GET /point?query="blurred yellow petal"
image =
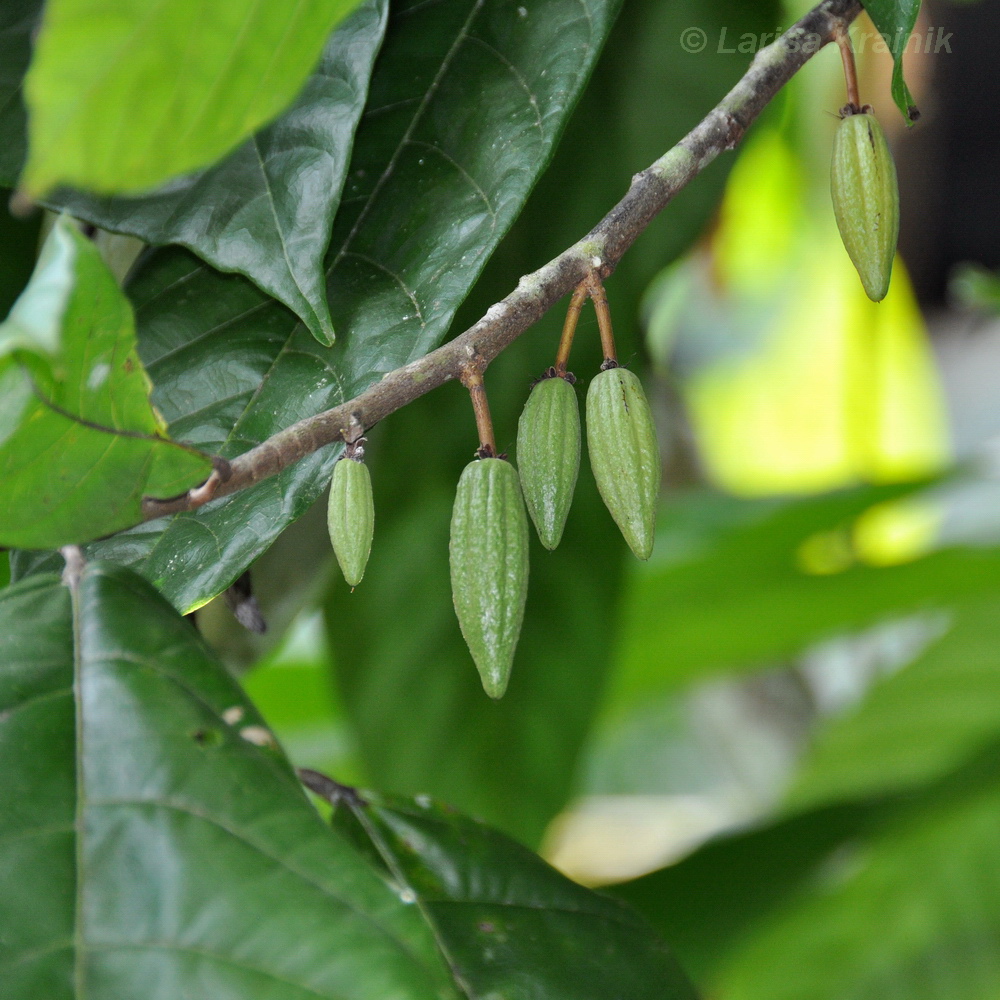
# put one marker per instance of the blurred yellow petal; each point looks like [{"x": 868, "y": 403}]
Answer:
[
  {"x": 896, "y": 532},
  {"x": 834, "y": 388},
  {"x": 760, "y": 216}
]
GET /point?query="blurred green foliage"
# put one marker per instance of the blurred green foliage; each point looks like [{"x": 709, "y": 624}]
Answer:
[{"x": 867, "y": 865}]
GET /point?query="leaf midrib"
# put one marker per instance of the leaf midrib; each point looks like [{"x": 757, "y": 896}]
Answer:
[
  {"x": 281, "y": 232},
  {"x": 79, "y": 813}
]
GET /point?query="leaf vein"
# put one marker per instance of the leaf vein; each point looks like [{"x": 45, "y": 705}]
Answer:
[
  {"x": 399, "y": 281},
  {"x": 236, "y": 834},
  {"x": 223, "y": 959},
  {"x": 477, "y": 187}
]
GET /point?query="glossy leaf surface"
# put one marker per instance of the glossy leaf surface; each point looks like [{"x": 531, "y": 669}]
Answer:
[
  {"x": 154, "y": 849},
  {"x": 511, "y": 926},
  {"x": 160, "y": 845}
]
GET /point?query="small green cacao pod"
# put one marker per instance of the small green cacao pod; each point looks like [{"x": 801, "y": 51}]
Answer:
[
  {"x": 866, "y": 200},
  {"x": 489, "y": 566},
  {"x": 351, "y": 517},
  {"x": 624, "y": 455},
  {"x": 548, "y": 455}
]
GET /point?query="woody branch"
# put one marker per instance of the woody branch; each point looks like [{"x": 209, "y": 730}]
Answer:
[{"x": 595, "y": 256}]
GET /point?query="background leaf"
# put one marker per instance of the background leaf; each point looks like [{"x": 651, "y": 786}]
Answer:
[
  {"x": 730, "y": 586},
  {"x": 232, "y": 367},
  {"x": 887, "y": 897},
  {"x": 707, "y": 903},
  {"x": 915, "y": 726},
  {"x": 510, "y": 925},
  {"x": 123, "y": 740},
  {"x": 80, "y": 444},
  {"x": 895, "y": 20},
  {"x": 19, "y": 239},
  {"x": 912, "y": 910},
  {"x": 124, "y": 99},
  {"x": 18, "y": 19},
  {"x": 266, "y": 210}
]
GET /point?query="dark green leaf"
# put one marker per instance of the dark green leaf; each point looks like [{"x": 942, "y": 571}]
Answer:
[
  {"x": 726, "y": 586},
  {"x": 125, "y": 98},
  {"x": 18, "y": 19},
  {"x": 885, "y": 898},
  {"x": 152, "y": 849},
  {"x": 80, "y": 444},
  {"x": 911, "y": 911},
  {"x": 918, "y": 724},
  {"x": 704, "y": 905},
  {"x": 435, "y": 182},
  {"x": 267, "y": 208},
  {"x": 159, "y": 846},
  {"x": 19, "y": 239},
  {"x": 895, "y": 20},
  {"x": 510, "y": 925}
]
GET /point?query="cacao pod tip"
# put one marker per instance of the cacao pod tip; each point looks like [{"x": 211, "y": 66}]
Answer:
[{"x": 495, "y": 681}]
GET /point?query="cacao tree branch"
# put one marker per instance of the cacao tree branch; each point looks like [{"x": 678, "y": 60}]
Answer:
[{"x": 597, "y": 254}]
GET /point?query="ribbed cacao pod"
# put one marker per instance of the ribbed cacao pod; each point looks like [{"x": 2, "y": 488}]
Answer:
[
  {"x": 866, "y": 200},
  {"x": 489, "y": 566},
  {"x": 548, "y": 455},
  {"x": 351, "y": 517},
  {"x": 624, "y": 455}
]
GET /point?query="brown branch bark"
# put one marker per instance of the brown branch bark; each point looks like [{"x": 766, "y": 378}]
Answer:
[{"x": 598, "y": 253}]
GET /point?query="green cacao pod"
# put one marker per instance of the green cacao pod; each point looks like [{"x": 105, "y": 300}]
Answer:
[
  {"x": 624, "y": 455},
  {"x": 489, "y": 566},
  {"x": 351, "y": 517},
  {"x": 548, "y": 455},
  {"x": 866, "y": 200}
]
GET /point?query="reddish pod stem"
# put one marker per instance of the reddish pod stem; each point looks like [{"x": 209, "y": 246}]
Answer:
[
  {"x": 600, "y": 298},
  {"x": 850, "y": 71},
  {"x": 569, "y": 327},
  {"x": 473, "y": 381}
]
